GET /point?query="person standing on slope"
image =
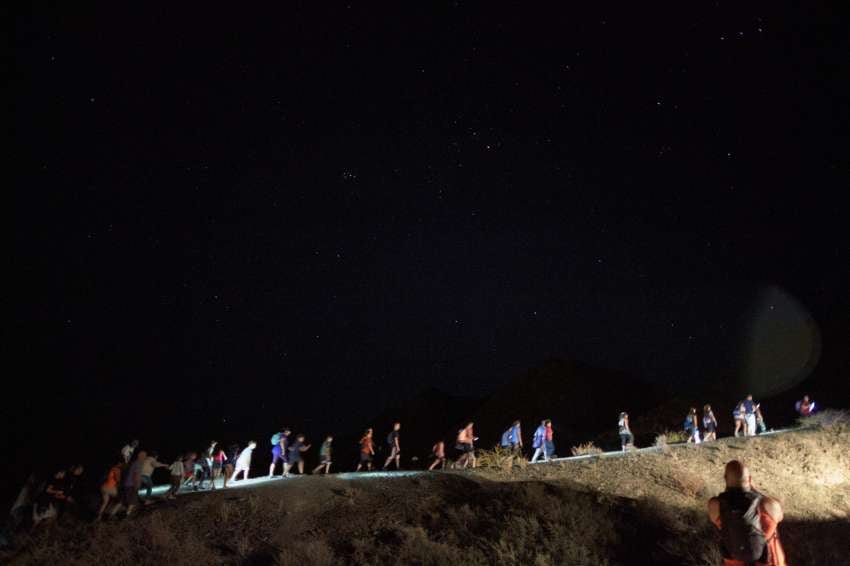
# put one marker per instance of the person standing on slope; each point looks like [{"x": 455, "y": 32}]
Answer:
[
  {"x": 325, "y": 456},
  {"x": 367, "y": 451},
  {"x": 294, "y": 457},
  {"x": 692, "y": 426},
  {"x": 738, "y": 416},
  {"x": 512, "y": 438},
  {"x": 627, "y": 439},
  {"x": 538, "y": 442},
  {"x": 243, "y": 462},
  {"x": 439, "y": 452},
  {"x": 466, "y": 444},
  {"x": 750, "y": 408},
  {"x": 748, "y": 521},
  {"x": 280, "y": 450},
  {"x": 805, "y": 406},
  {"x": 395, "y": 448},
  {"x": 709, "y": 424}
]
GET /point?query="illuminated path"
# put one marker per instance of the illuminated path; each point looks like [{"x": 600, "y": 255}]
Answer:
[{"x": 161, "y": 490}]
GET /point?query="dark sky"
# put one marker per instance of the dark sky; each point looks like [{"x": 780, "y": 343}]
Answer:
[{"x": 308, "y": 214}]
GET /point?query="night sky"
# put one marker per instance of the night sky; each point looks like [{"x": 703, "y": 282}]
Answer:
[{"x": 304, "y": 216}]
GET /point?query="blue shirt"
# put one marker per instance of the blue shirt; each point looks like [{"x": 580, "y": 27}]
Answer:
[{"x": 749, "y": 407}]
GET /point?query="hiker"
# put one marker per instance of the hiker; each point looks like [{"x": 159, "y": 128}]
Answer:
[
  {"x": 208, "y": 462},
  {"x": 189, "y": 470},
  {"x": 367, "y": 451},
  {"x": 201, "y": 469},
  {"x": 148, "y": 466},
  {"x": 243, "y": 462},
  {"x": 218, "y": 460},
  {"x": 709, "y": 424},
  {"x": 325, "y": 456},
  {"x": 627, "y": 439},
  {"x": 439, "y": 452},
  {"x": 50, "y": 501},
  {"x": 109, "y": 487},
  {"x": 74, "y": 487},
  {"x": 549, "y": 440},
  {"x": 512, "y": 438},
  {"x": 738, "y": 416},
  {"x": 395, "y": 449},
  {"x": 230, "y": 463},
  {"x": 805, "y": 406},
  {"x": 294, "y": 457},
  {"x": 128, "y": 450},
  {"x": 176, "y": 471},
  {"x": 760, "y": 424},
  {"x": 692, "y": 426},
  {"x": 22, "y": 508},
  {"x": 130, "y": 485},
  {"x": 538, "y": 442},
  {"x": 748, "y": 521},
  {"x": 466, "y": 445},
  {"x": 280, "y": 450},
  {"x": 749, "y": 415}
]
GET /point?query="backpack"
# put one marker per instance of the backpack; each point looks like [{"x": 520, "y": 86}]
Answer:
[
  {"x": 506, "y": 438},
  {"x": 276, "y": 438},
  {"x": 741, "y": 532}
]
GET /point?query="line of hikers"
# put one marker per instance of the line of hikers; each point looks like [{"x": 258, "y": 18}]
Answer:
[{"x": 132, "y": 472}]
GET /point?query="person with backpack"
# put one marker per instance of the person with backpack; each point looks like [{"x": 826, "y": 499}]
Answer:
[
  {"x": 538, "y": 442},
  {"x": 325, "y": 456},
  {"x": 395, "y": 449},
  {"x": 627, "y": 439},
  {"x": 709, "y": 424},
  {"x": 748, "y": 521},
  {"x": 243, "y": 462},
  {"x": 367, "y": 451},
  {"x": 512, "y": 438},
  {"x": 280, "y": 450},
  {"x": 692, "y": 426}
]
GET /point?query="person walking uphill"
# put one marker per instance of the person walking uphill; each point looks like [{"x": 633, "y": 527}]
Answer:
[
  {"x": 395, "y": 448},
  {"x": 748, "y": 521},
  {"x": 542, "y": 442},
  {"x": 627, "y": 440},
  {"x": 750, "y": 408},
  {"x": 367, "y": 451}
]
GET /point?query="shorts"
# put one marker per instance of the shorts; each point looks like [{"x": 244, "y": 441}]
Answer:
[
  {"x": 216, "y": 465},
  {"x": 626, "y": 438},
  {"x": 278, "y": 455},
  {"x": 465, "y": 447},
  {"x": 394, "y": 452},
  {"x": 325, "y": 459},
  {"x": 293, "y": 458},
  {"x": 365, "y": 457},
  {"x": 110, "y": 491},
  {"x": 709, "y": 427}
]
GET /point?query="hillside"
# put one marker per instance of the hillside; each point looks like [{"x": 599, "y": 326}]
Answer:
[{"x": 638, "y": 509}]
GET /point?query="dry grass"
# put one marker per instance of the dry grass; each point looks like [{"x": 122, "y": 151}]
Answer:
[
  {"x": 669, "y": 437},
  {"x": 635, "y": 509},
  {"x": 586, "y": 449},
  {"x": 500, "y": 458}
]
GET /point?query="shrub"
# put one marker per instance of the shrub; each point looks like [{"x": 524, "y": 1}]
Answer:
[
  {"x": 586, "y": 449},
  {"x": 499, "y": 458},
  {"x": 828, "y": 420},
  {"x": 670, "y": 437}
]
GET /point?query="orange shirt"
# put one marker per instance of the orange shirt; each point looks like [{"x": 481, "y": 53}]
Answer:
[
  {"x": 113, "y": 478},
  {"x": 366, "y": 445}
]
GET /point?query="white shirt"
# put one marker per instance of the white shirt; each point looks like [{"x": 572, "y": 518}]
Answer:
[
  {"x": 127, "y": 453},
  {"x": 244, "y": 460}
]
